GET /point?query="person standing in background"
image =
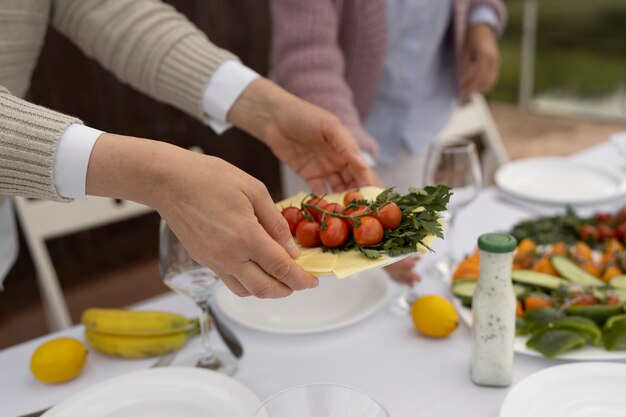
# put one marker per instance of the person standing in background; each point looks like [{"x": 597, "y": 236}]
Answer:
[
  {"x": 206, "y": 201},
  {"x": 393, "y": 71}
]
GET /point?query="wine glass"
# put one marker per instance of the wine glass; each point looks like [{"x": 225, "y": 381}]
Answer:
[
  {"x": 185, "y": 276},
  {"x": 321, "y": 400},
  {"x": 453, "y": 163}
]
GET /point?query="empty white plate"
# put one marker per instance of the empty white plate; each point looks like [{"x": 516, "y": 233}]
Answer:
[
  {"x": 333, "y": 304},
  {"x": 590, "y": 389},
  {"x": 559, "y": 181},
  {"x": 162, "y": 392}
]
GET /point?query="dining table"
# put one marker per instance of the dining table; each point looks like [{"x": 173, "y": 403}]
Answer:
[{"x": 382, "y": 354}]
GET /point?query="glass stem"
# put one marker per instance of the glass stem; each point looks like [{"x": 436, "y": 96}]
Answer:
[
  {"x": 450, "y": 237},
  {"x": 206, "y": 350}
]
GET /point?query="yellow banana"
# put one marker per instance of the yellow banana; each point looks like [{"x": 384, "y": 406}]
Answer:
[
  {"x": 136, "y": 346},
  {"x": 134, "y": 323}
]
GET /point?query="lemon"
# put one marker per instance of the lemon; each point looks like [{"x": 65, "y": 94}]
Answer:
[
  {"x": 434, "y": 316},
  {"x": 58, "y": 360}
]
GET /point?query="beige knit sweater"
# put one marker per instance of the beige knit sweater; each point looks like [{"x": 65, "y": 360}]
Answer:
[{"x": 146, "y": 43}]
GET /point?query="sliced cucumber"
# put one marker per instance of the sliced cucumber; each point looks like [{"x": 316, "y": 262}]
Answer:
[
  {"x": 536, "y": 279},
  {"x": 619, "y": 282},
  {"x": 569, "y": 270},
  {"x": 464, "y": 288}
]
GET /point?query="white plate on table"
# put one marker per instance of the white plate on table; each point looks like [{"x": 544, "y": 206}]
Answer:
[
  {"x": 573, "y": 390},
  {"x": 162, "y": 392},
  {"x": 335, "y": 303},
  {"x": 559, "y": 181},
  {"x": 586, "y": 353}
]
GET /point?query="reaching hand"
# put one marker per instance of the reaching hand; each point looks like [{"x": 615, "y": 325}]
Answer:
[
  {"x": 310, "y": 140},
  {"x": 481, "y": 60},
  {"x": 403, "y": 272},
  {"x": 224, "y": 218}
]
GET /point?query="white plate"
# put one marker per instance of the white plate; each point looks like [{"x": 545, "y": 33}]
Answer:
[
  {"x": 333, "y": 304},
  {"x": 559, "y": 181},
  {"x": 586, "y": 353},
  {"x": 162, "y": 392},
  {"x": 573, "y": 390}
]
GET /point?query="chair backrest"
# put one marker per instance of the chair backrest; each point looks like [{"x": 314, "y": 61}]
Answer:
[
  {"x": 43, "y": 220},
  {"x": 472, "y": 119}
]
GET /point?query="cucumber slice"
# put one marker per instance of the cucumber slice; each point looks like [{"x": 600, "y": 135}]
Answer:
[
  {"x": 614, "y": 320},
  {"x": 536, "y": 279},
  {"x": 581, "y": 325},
  {"x": 539, "y": 319},
  {"x": 569, "y": 270},
  {"x": 464, "y": 288},
  {"x": 619, "y": 282},
  {"x": 519, "y": 290},
  {"x": 615, "y": 338},
  {"x": 552, "y": 343},
  {"x": 598, "y": 313}
]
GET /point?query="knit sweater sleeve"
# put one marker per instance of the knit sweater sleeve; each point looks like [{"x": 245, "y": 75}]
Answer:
[
  {"x": 146, "y": 44},
  {"x": 306, "y": 59},
  {"x": 29, "y": 135},
  {"x": 500, "y": 9}
]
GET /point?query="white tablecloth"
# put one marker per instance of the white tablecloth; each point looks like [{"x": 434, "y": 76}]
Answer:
[{"x": 381, "y": 355}]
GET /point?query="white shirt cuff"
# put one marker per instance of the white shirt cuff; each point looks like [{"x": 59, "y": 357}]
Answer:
[
  {"x": 223, "y": 89},
  {"x": 72, "y": 159},
  {"x": 483, "y": 13}
]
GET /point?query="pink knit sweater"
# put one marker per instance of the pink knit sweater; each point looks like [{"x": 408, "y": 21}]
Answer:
[{"x": 331, "y": 52}]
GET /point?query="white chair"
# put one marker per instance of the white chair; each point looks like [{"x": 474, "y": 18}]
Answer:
[
  {"x": 43, "y": 220},
  {"x": 472, "y": 119}
]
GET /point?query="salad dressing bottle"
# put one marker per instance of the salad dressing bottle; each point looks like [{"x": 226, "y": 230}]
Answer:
[{"x": 493, "y": 312}]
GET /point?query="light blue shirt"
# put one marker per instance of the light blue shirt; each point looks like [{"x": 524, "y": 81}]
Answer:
[{"x": 418, "y": 90}]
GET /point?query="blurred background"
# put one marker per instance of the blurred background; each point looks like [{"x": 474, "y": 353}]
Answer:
[{"x": 562, "y": 88}]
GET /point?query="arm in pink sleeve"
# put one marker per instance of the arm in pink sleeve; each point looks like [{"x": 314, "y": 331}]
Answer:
[{"x": 306, "y": 60}]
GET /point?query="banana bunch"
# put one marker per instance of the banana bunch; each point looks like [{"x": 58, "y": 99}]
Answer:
[{"x": 136, "y": 334}]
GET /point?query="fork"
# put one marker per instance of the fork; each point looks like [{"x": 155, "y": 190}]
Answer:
[{"x": 164, "y": 360}]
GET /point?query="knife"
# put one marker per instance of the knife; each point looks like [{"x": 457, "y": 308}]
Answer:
[{"x": 227, "y": 335}]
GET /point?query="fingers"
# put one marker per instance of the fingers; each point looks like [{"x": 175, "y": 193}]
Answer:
[
  {"x": 257, "y": 283},
  {"x": 271, "y": 220},
  {"x": 348, "y": 150},
  {"x": 235, "y": 286},
  {"x": 275, "y": 263}
]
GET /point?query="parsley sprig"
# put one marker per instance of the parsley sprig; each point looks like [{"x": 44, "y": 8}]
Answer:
[{"x": 420, "y": 217}]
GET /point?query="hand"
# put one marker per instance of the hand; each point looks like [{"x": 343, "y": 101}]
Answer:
[
  {"x": 225, "y": 218},
  {"x": 403, "y": 272},
  {"x": 481, "y": 60},
  {"x": 310, "y": 140}
]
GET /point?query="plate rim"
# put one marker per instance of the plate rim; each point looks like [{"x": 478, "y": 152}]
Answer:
[
  {"x": 181, "y": 371},
  {"x": 556, "y": 369},
  {"x": 520, "y": 344},
  {"x": 380, "y": 279},
  {"x": 558, "y": 160}
]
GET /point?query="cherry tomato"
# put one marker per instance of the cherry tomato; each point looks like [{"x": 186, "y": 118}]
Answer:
[
  {"x": 605, "y": 232},
  {"x": 319, "y": 202},
  {"x": 369, "y": 232},
  {"x": 620, "y": 232},
  {"x": 336, "y": 232},
  {"x": 293, "y": 215},
  {"x": 351, "y": 196},
  {"x": 390, "y": 216},
  {"x": 355, "y": 212},
  {"x": 334, "y": 207},
  {"x": 603, "y": 217},
  {"x": 308, "y": 234},
  {"x": 584, "y": 300},
  {"x": 588, "y": 233},
  {"x": 613, "y": 300}
]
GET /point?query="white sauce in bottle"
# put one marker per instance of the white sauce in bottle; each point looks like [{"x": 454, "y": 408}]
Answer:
[{"x": 493, "y": 313}]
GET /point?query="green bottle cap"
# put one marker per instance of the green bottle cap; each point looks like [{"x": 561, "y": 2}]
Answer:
[{"x": 497, "y": 242}]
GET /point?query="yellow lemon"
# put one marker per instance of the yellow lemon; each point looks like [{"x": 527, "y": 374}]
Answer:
[
  {"x": 434, "y": 316},
  {"x": 58, "y": 360}
]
